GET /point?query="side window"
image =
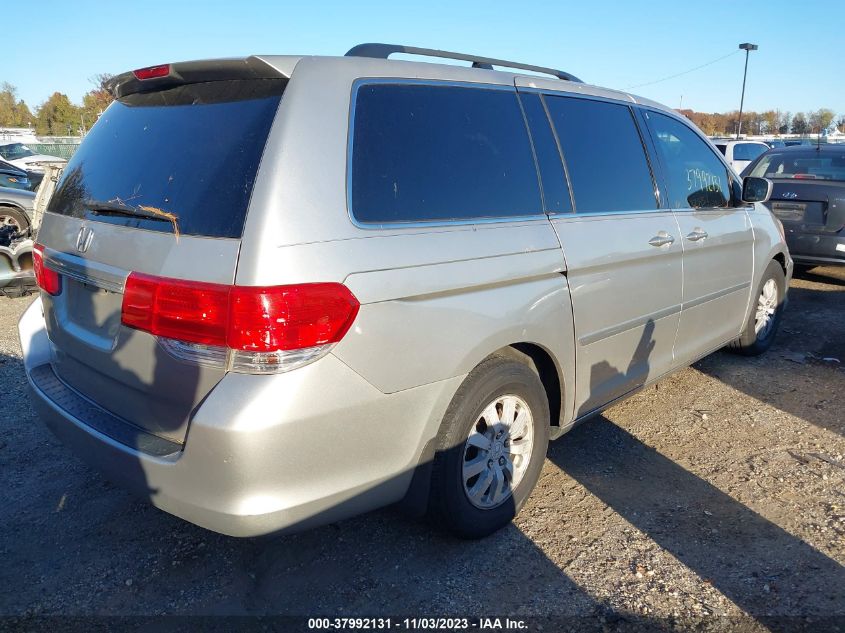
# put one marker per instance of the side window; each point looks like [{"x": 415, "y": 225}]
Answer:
[
  {"x": 748, "y": 151},
  {"x": 604, "y": 154},
  {"x": 555, "y": 190},
  {"x": 432, "y": 152},
  {"x": 696, "y": 178}
]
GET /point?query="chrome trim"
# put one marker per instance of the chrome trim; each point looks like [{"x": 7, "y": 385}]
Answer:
[
  {"x": 86, "y": 271},
  {"x": 716, "y": 295},
  {"x": 613, "y": 330},
  {"x": 591, "y": 214},
  {"x": 364, "y": 81}
]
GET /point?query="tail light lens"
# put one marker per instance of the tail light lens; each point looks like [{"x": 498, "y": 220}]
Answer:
[
  {"x": 48, "y": 280},
  {"x": 265, "y": 328}
]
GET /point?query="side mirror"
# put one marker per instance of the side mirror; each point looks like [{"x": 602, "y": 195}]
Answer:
[{"x": 756, "y": 189}]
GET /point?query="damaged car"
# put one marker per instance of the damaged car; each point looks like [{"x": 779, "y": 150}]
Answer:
[{"x": 16, "y": 211}]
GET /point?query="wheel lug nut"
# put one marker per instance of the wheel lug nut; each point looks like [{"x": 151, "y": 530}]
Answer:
[
  {"x": 490, "y": 463},
  {"x": 501, "y": 461}
]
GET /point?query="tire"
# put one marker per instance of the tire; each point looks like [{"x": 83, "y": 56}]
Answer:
[
  {"x": 753, "y": 342},
  {"x": 13, "y": 216},
  {"x": 497, "y": 382}
]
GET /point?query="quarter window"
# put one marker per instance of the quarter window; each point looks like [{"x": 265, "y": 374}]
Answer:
[
  {"x": 428, "y": 153},
  {"x": 696, "y": 177},
  {"x": 604, "y": 154}
]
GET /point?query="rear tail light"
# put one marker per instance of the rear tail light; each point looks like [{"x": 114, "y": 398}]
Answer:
[
  {"x": 152, "y": 72},
  {"x": 258, "y": 329},
  {"x": 48, "y": 280}
]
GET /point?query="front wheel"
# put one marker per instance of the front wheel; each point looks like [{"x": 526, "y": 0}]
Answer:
[
  {"x": 491, "y": 448},
  {"x": 764, "y": 320}
]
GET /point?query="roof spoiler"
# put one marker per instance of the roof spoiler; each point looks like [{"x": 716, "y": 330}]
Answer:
[{"x": 170, "y": 75}]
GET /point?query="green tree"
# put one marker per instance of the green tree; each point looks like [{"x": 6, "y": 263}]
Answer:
[
  {"x": 13, "y": 111},
  {"x": 820, "y": 120},
  {"x": 96, "y": 100},
  {"x": 799, "y": 124},
  {"x": 771, "y": 120},
  {"x": 57, "y": 116}
]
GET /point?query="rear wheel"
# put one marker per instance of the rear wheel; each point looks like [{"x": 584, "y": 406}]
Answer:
[
  {"x": 491, "y": 448},
  {"x": 10, "y": 216},
  {"x": 764, "y": 320}
]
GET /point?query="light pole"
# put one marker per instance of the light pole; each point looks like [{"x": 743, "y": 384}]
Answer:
[{"x": 747, "y": 48}]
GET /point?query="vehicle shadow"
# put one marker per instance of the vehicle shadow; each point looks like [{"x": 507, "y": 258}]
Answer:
[
  {"x": 753, "y": 562},
  {"x": 808, "y": 349}
]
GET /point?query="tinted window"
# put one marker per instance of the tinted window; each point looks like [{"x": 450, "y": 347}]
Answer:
[
  {"x": 722, "y": 148},
  {"x": 808, "y": 164},
  {"x": 423, "y": 152},
  {"x": 188, "y": 154},
  {"x": 555, "y": 189},
  {"x": 748, "y": 151},
  {"x": 695, "y": 176},
  {"x": 604, "y": 155}
]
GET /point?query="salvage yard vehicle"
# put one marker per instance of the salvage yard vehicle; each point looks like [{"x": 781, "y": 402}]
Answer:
[
  {"x": 12, "y": 177},
  {"x": 24, "y": 157},
  {"x": 378, "y": 281},
  {"x": 809, "y": 199},
  {"x": 740, "y": 153},
  {"x": 16, "y": 266}
]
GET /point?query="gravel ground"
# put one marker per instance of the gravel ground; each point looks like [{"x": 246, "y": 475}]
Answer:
[{"x": 717, "y": 492}]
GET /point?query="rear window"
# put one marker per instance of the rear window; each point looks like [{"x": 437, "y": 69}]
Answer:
[
  {"x": 749, "y": 151},
  {"x": 811, "y": 164},
  {"x": 188, "y": 154},
  {"x": 434, "y": 153}
]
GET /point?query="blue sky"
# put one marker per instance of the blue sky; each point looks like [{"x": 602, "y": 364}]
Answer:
[{"x": 614, "y": 44}]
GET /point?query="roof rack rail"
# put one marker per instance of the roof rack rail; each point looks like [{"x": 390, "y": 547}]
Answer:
[{"x": 383, "y": 51}]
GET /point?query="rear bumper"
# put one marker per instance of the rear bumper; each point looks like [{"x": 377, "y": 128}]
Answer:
[
  {"x": 264, "y": 454},
  {"x": 814, "y": 248}
]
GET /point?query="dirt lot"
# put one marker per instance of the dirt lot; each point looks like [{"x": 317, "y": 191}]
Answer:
[{"x": 717, "y": 492}]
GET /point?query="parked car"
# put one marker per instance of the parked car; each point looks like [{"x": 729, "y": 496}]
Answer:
[
  {"x": 17, "y": 276},
  {"x": 809, "y": 199},
  {"x": 13, "y": 177},
  {"x": 23, "y": 157},
  {"x": 16, "y": 208},
  {"x": 399, "y": 292},
  {"x": 740, "y": 153}
]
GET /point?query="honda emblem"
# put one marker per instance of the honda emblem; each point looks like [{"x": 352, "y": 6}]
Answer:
[{"x": 83, "y": 239}]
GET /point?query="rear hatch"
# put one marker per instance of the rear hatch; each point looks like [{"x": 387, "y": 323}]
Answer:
[
  {"x": 809, "y": 206},
  {"x": 160, "y": 186}
]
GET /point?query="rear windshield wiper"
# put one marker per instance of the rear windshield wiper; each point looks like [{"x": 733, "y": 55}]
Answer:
[{"x": 116, "y": 208}]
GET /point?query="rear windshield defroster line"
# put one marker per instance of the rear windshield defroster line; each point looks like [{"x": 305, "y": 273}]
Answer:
[{"x": 189, "y": 153}]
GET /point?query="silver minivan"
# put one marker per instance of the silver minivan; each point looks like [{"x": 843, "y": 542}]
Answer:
[{"x": 279, "y": 291}]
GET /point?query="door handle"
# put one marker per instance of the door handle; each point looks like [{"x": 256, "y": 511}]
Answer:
[
  {"x": 697, "y": 235},
  {"x": 662, "y": 239}
]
